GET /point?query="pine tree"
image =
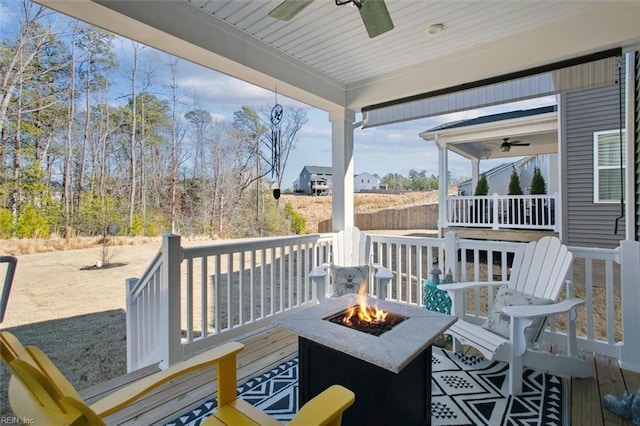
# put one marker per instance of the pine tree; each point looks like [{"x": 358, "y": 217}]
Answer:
[
  {"x": 514, "y": 184},
  {"x": 538, "y": 185},
  {"x": 482, "y": 188}
]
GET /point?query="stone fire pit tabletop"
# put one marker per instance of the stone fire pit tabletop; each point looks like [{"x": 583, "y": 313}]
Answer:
[{"x": 392, "y": 350}]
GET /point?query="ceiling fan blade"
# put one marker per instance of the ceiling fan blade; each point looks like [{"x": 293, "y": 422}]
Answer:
[
  {"x": 288, "y": 9},
  {"x": 375, "y": 17},
  {"x": 518, "y": 143}
]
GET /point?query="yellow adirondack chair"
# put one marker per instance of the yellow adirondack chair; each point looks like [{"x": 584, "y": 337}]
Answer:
[{"x": 39, "y": 391}]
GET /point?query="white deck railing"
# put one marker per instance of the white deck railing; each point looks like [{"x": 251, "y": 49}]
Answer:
[
  {"x": 504, "y": 211},
  {"x": 222, "y": 290},
  {"x": 191, "y": 298}
]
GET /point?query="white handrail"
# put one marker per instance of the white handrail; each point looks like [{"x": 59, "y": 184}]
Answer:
[
  {"x": 198, "y": 296},
  {"x": 229, "y": 288},
  {"x": 504, "y": 211}
]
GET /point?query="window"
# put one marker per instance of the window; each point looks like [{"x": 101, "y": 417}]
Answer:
[{"x": 607, "y": 183}]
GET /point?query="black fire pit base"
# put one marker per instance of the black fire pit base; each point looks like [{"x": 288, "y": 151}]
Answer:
[{"x": 382, "y": 397}]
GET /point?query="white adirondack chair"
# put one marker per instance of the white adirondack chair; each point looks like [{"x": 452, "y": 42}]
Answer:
[
  {"x": 538, "y": 270},
  {"x": 351, "y": 247}
]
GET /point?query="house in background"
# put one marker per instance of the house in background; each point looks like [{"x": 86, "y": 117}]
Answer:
[
  {"x": 365, "y": 182},
  {"x": 315, "y": 180},
  {"x": 500, "y": 176}
]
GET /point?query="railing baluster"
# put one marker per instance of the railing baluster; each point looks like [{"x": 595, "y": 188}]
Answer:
[
  {"x": 218, "y": 294},
  {"x": 263, "y": 265},
  {"x": 273, "y": 279},
  {"x": 588, "y": 267},
  {"x": 189, "y": 301},
  {"x": 611, "y": 319},
  {"x": 204, "y": 295},
  {"x": 252, "y": 270},
  {"x": 241, "y": 287}
]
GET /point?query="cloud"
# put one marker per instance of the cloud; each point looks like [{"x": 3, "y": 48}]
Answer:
[{"x": 217, "y": 117}]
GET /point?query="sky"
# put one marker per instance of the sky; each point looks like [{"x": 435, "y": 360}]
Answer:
[{"x": 394, "y": 148}]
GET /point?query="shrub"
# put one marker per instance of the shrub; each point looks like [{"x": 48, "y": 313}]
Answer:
[
  {"x": 482, "y": 188},
  {"x": 6, "y": 224},
  {"x": 538, "y": 185},
  {"x": 514, "y": 184},
  {"x": 32, "y": 224},
  {"x": 137, "y": 226},
  {"x": 298, "y": 222}
]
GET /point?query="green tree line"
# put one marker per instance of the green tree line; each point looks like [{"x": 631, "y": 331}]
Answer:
[
  {"x": 416, "y": 180},
  {"x": 82, "y": 153}
]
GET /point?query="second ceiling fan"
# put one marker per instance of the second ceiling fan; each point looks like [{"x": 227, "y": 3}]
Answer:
[
  {"x": 374, "y": 13},
  {"x": 506, "y": 145}
]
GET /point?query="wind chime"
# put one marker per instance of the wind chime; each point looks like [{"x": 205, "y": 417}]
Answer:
[{"x": 276, "y": 146}]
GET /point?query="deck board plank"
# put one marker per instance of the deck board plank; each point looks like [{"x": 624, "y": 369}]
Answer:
[
  {"x": 609, "y": 382},
  {"x": 586, "y": 408}
]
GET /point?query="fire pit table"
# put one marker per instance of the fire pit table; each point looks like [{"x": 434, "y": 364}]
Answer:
[{"x": 389, "y": 373}]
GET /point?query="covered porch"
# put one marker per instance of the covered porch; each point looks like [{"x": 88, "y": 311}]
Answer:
[
  {"x": 522, "y": 140},
  {"x": 191, "y": 299}
]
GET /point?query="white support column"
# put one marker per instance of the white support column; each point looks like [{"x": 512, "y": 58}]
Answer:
[
  {"x": 443, "y": 184},
  {"x": 630, "y": 169},
  {"x": 342, "y": 163},
  {"x": 630, "y": 294},
  {"x": 475, "y": 174}
]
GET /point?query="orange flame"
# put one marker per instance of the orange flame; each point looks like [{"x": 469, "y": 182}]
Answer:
[{"x": 362, "y": 310}]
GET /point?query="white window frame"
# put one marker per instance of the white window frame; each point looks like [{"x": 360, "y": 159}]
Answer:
[{"x": 597, "y": 168}]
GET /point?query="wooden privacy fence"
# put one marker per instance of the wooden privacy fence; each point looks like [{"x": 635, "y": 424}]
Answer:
[{"x": 424, "y": 216}]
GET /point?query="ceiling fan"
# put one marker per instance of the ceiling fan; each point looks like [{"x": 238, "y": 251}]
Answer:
[
  {"x": 506, "y": 145},
  {"x": 374, "y": 13}
]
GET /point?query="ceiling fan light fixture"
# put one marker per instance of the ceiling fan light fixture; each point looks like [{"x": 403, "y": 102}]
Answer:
[
  {"x": 505, "y": 147},
  {"x": 435, "y": 28}
]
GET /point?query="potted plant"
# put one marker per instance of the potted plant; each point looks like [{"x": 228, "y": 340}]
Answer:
[
  {"x": 516, "y": 207},
  {"x": 538, "y": 187},
  {"x": 480, "y": 212}
]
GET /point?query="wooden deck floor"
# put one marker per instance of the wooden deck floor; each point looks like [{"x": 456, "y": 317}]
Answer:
[{"x": 268, "y": 347}]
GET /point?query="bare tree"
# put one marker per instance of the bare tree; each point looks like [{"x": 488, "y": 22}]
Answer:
[{"x": 137, "y": 48}]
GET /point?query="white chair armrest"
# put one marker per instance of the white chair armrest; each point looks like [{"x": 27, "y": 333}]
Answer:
[
  {"x": 535, "y": 311},
  {"x": 470, "y": 284},
  {"x": 382, "y": 273}
]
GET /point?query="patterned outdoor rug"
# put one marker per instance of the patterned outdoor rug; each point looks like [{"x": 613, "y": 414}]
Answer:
[{"x": 466, "y": 390}]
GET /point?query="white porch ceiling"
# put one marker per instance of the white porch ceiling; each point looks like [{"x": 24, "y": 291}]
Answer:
[{"x": 324, "y": 57}]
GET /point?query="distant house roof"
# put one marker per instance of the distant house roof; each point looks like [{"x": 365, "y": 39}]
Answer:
[
  {"x": 367, "y": 174},
  {"x": 497, "y": 169},
  {"x": 495, "y": 117},
  {"x": 319, "y": 170},
  {"x": 492, "y": 171}
]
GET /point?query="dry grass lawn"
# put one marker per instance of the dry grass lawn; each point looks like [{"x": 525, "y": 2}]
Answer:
[{"x": 316, "y": 209}]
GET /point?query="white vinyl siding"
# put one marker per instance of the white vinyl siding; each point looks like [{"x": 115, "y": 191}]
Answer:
[{"x": 608, "y": 180}]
